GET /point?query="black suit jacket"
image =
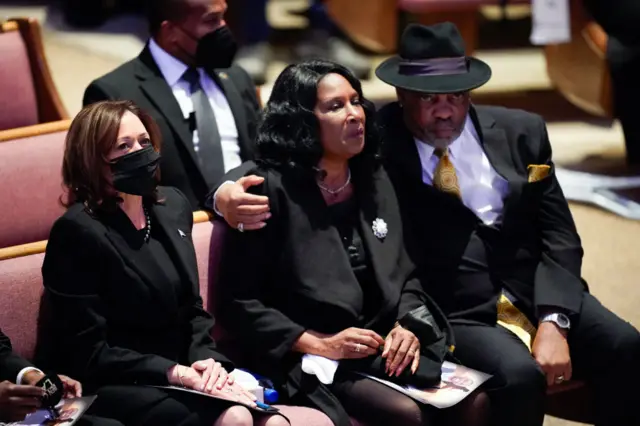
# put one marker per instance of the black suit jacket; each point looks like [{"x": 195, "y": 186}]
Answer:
[
  {"x": 141, "y": 81},
  {"x": 109, "y": 318},
  {"x": 294, "y": 275},
  {"x": 538, "y": 256},
  {"x": 10, "y": 362}
]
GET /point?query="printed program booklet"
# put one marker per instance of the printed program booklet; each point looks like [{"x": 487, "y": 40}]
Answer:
[
  {"x": 456, "y": 383},
  {"x": 68, "y": 411}
]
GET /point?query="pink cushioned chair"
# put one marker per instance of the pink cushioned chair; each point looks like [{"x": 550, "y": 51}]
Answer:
[
  {"x": 27, "y": 93},
  {"x": 30, "y": 182},
  {"x": 207, "y": 238},
  {"x": 21, "y": 288}
]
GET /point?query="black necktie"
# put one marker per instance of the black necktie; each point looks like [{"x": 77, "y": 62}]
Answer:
[{"x": 209, "y": 149}]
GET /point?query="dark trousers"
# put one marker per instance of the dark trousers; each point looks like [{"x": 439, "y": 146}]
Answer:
[
  {"x": 624, "y": 64},
  {"x": 604, "y": 351},
  {"x": 619, "y": 19}
]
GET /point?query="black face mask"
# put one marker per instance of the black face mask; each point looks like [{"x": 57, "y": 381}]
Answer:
[
  {"x": 216, "y": 49},
  {"x": 134, "y": 173}
]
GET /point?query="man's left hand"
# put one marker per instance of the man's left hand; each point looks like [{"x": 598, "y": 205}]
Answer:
[{"x": 551, "y": 351}]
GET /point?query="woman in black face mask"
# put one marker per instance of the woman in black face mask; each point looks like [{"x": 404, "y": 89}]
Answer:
[{"x": 121, "y": 284}]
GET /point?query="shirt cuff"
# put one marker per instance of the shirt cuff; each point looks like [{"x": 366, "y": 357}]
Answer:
[
  {"x": 25, "y": 371},
  {"x": 215, "y": 194}
]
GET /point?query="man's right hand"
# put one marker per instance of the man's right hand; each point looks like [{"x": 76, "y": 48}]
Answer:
[
  {"x": 16, "y": 401},
  {"x": 238, "y": 206}
]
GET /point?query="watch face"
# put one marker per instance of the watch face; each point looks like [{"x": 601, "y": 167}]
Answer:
[{"x": 563, "y": 321}]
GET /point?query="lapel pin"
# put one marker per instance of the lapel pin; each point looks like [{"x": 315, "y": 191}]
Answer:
[
  {"x": 379, "y": 228},
  {"x": 182, "y": 234},
  {"x": 223, "y": 75}
]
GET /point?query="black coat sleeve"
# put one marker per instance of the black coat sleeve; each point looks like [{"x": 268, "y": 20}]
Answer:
[
  {"x": 247, "y": 264},
  {"x": 558, "y": 281},
  {"x": 10, "y": 362},
  {"x": 73, "y": 273}
]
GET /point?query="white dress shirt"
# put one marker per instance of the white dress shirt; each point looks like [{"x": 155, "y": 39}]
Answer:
[
  {"x": 173, "y": 69},
  {"x": 483, "y": 190}
]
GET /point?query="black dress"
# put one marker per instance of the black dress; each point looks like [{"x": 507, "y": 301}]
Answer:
[
  {"x": 365, "y": 399},
  {"x": 168, "y": 407},
  {"x": 119, "y": 312}
]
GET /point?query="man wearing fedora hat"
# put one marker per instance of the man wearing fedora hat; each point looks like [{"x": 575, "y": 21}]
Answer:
[{"x": 488, "y": 226}]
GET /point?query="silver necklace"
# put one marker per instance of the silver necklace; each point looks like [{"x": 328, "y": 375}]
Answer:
[
  {"x": 148, "y": 233},
  {"x": 337, "y": 190}
]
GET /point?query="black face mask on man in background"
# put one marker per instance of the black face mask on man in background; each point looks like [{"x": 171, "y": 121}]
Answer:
[
  {"x": 135, "y": 173},
  {"x": 216, "y": 49}
]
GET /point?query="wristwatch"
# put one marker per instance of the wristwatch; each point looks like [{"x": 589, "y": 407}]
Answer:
[{"x": 561, "y": 320}]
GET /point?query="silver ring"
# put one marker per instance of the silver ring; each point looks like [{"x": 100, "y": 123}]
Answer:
[
  {"x": 559, "y": 379},
  {"x": 240, "y": 226},
  {"x": 357, "y": 347}
]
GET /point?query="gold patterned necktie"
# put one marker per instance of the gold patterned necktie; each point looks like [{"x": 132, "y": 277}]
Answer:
[
  {"x": 515, "y": 321},
  {"x": 445, "y": 178}
]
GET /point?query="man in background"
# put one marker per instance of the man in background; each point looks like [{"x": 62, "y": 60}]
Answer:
[
  {"x": 206, "y": 108},
  {"x": 619, "y": 19}
]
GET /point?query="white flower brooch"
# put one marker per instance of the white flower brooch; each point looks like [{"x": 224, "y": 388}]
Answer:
[{"x": 379, "y": 228}]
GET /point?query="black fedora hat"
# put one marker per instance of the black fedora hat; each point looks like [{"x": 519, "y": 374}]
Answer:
[{"x": 432, "y": 60}]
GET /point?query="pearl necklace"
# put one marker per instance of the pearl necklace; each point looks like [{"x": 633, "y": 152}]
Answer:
[
  {"x": 338, "y": 190},
  {"x": 148, "y": 233}
]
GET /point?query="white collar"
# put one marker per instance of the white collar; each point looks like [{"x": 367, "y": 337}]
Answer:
[{"x": 172, "y": 68}]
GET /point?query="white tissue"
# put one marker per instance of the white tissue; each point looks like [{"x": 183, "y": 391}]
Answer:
[{"x": 323, "y": 368}]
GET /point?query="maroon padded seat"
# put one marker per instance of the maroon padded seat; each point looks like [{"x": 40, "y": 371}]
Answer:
[
  {"x": 207, "y": 239},
  {"x": 18, "y": 102},
  {"x": 31, "y": 186},
  {"x": 20, "y": 290}
]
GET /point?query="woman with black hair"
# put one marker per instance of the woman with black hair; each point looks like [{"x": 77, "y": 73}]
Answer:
[{"x": 327, "y": 290}]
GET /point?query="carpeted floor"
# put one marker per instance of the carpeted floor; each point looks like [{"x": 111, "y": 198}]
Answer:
[{"x": 612, "y": 244}]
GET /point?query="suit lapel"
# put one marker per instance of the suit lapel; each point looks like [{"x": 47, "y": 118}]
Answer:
[
  {"x": 124, "y": 236},
  {"x": 155, "y": 87},
  {"x": 498, "y": 150},
  {"x": 237, "y": 108},
  {"x": 180, "y": 245}
]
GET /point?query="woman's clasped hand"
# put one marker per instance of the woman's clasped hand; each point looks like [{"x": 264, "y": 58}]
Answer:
[
  {"x": 210, "y": 377},
  {"x": 400, "y": 348}
]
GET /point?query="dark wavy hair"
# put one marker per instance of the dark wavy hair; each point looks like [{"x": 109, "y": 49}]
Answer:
[{"x": 289, "y": 132}]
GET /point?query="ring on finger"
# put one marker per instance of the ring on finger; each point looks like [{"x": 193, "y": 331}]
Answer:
[
  {"x": 240, "y": 226},
  {"x": 357, "y": 347},
  {"x": 559, "y": 379}
]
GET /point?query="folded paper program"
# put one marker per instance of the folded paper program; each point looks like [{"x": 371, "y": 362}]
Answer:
[{"x": 323, "y": 368}]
